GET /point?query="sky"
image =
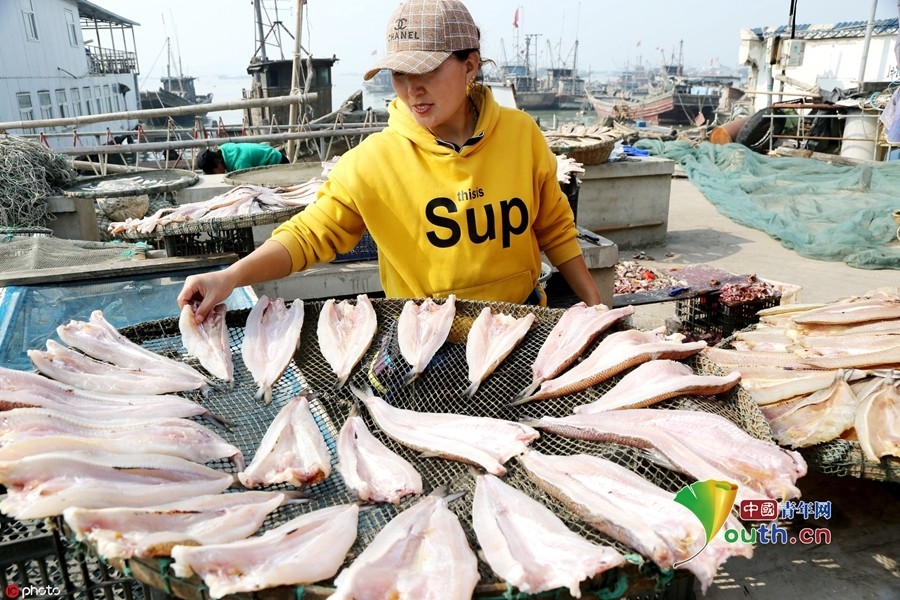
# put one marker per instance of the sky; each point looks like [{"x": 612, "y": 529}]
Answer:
[{"x": 216, "y": 38}]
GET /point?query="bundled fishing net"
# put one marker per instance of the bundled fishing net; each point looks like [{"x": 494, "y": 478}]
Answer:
[
  {"x": 29, "y": 173},
  {"x": 821, "y": 210}
]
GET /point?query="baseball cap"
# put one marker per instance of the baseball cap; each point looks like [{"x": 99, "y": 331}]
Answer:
[{"x": 421, "y": 34}]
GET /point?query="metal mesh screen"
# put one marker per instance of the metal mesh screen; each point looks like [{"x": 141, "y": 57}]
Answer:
[{"x": 439, "y": 389}]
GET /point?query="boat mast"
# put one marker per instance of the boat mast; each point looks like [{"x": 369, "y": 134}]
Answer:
[
  {"x": 293, "y": 114},
  {"x": 259, "y": 30}
]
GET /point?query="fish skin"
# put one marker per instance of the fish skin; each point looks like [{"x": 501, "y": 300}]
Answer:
[
  {"x": 345, "y": 333},
  {"x": 370, "y": 469},
  {"x": 490, "y": 340},
  {"x": 848, "y": 313},
  {"x": 576, "y": 329},
  {"x": 421, "y": 553},
  {"x": 45, "y": 485},
  {"x": 479, "y": 441},
  {"x": 724, "y": 452},
  {"x": 292, "y": 451},
  {"x": 421, "y": 331},
  {"x": 271, "y": 336},
  {"x": 69, "y": 367},
  {"x": 281, "y": 556},
  {"x": 28, "y": 431},
  {"x": 152, "y": 531},
  {"x": 99, "y": 339},
  {"x": 20, "y": 389},
  {"x": 617, "y": 352},
  {"x": 208, "y": 341},
  {"x": 528, "y": 546},
  {"x": 659, "y": 380}
]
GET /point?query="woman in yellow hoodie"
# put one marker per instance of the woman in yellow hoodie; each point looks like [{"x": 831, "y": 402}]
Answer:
[{"x": 459, "y": 194}]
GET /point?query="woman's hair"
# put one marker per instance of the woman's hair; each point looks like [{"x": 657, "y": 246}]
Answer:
[
  {"x": 209, "y": 160},
  {"x": 462, "y": 55}
]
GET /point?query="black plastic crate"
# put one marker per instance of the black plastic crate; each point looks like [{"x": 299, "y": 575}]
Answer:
[
  {"x": 707, "y": 314},
  {"x": 36, "y": 559},
  {"x": 240, "y": 241},
  {"x": 364, "y": 250}
]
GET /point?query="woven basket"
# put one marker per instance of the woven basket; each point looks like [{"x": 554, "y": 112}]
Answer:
[{"x": 586, "y": 150}]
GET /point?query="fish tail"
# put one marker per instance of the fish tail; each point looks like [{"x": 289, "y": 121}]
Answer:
[
  {"x": 362, "y": 394},
  {"x": 411, "y": 376},
  {"x": 219, "y": 421},
  {"x": 341, "y": 382},
  {"x": 470, "y": 391},
  {"x": 238, "y": 461},
  {"x": 527, "y": 393},
  {"x": 264, "y": 395}
]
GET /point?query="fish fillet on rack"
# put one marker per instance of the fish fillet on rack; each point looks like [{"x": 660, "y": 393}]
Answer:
[
  {"x": 271, "y": 336},
  {"x": 491, "y": 339},
  {"x": 877, "y": 420},
  {"x": 345, "y": 332},
  {"x": 633, "y": 511},
  {"x": 208, "y": 341},
  {"x": 420, "y": 553},
  {"x": 99, "y": 339},
  {"x": 481, "y": 441},
  {"x": 306, "y": 549},
  {"x": 28, "y": 431},
  {"x": 579, "y": 325},
  {"x": 421, "y": 331},
  {"x": 292, "y": 451},
  {"x": 530, "y": 547},
  {"x": 71, "y": 367},
  {"x": 44, "y": 485},
  {"x": 152, "y": 531},
  {"x": 373, "y": 471}
]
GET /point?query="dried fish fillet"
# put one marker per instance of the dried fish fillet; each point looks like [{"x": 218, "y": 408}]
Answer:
[
  {"x": 271, "y": 336},
  {"x": 656, "y": 381},
  {"x": 208, "y": 341},
  {"x": 304, "y": 550},
  {"x": 152, "y": 531},
  {"x": 371, "y": 469},
  {"x": 820, "y": 417},
  {"x": 345, "y": 332},
  {"x": 527, "y": 545},
  {"x": 878, "y": 421},
  {"x": 490, "y": 340},
  {"x": 421, "y": 331},
  {"x": 420, "y": 553},
  {"x": 292, "y": 450},
  {"x": 480, "y": 441}
]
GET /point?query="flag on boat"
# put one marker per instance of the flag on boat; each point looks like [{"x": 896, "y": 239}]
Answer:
[{"x": 516, "y": 18}]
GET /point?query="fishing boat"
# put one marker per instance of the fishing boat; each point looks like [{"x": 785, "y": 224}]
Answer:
[{"x": 177, "y": 90}]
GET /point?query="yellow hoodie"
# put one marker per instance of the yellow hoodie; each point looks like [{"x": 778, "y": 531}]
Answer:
[{"x": 471, "y": 223}]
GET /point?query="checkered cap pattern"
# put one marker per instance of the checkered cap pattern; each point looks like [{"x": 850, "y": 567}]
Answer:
[{"x": 421, "y": 34}]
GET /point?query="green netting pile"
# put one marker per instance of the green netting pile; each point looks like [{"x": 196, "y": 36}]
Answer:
[{"x": 821, "y": 210}]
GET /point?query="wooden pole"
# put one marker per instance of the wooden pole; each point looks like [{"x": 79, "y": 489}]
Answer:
[{"x": 293, "y": 113}]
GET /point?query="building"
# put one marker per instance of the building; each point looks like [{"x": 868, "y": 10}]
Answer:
[{"x": 63, "y": 59}]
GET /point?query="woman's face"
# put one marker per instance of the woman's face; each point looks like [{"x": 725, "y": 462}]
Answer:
[{"x": 437, "y": 100}]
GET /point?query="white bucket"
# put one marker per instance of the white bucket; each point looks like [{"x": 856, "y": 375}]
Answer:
[{"x": 860, "y": 130}]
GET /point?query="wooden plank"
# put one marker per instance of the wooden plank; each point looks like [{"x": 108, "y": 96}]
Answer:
[{"x": 123, "y": 269}]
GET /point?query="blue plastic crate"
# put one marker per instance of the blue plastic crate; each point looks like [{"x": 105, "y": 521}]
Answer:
[{"x": 364, "y": 250}]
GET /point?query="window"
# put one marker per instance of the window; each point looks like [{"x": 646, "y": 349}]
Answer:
[
  {"x": 29, "y": 19},
  {"x": 46, "y": 104},
  {"x": 76, "y": 101},
  {"x": 26, "y": 110},
  {"x": 70, "y": 27},
  {"x": 98, "y": 99},
  {"x": 108, "y": 97},
  {"x": 87, "y": 99},
  {"x": 63, "y": 103}
]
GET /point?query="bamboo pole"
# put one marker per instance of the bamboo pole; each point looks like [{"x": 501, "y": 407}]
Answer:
[
  {"x": 293, "y": 113},
  {"x": 160, "y": 112}
]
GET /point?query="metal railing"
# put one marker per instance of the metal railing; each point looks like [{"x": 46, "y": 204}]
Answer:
[{"x": 811, "y": 118}]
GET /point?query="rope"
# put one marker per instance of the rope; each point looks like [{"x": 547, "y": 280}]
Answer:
[{"x": 29, "y": 173}]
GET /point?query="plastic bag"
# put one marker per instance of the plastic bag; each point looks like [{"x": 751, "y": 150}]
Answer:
[{"x": 890, "y": 117}]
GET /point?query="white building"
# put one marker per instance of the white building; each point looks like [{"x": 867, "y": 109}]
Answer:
[
  {"x": 65, "y": 58},
  {"x": 828, "y": 56}
]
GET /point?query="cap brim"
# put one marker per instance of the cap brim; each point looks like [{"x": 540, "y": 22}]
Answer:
[{"x": 416, "y": 62}]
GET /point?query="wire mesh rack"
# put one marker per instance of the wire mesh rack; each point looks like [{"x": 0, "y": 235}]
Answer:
[{"x": 439, "y": 389}]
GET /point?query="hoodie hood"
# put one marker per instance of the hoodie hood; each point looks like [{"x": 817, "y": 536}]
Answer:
[{"x": 401, "y": 121}]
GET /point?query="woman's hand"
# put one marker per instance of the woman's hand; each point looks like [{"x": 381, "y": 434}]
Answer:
[{"x": 209, "y": 289}]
